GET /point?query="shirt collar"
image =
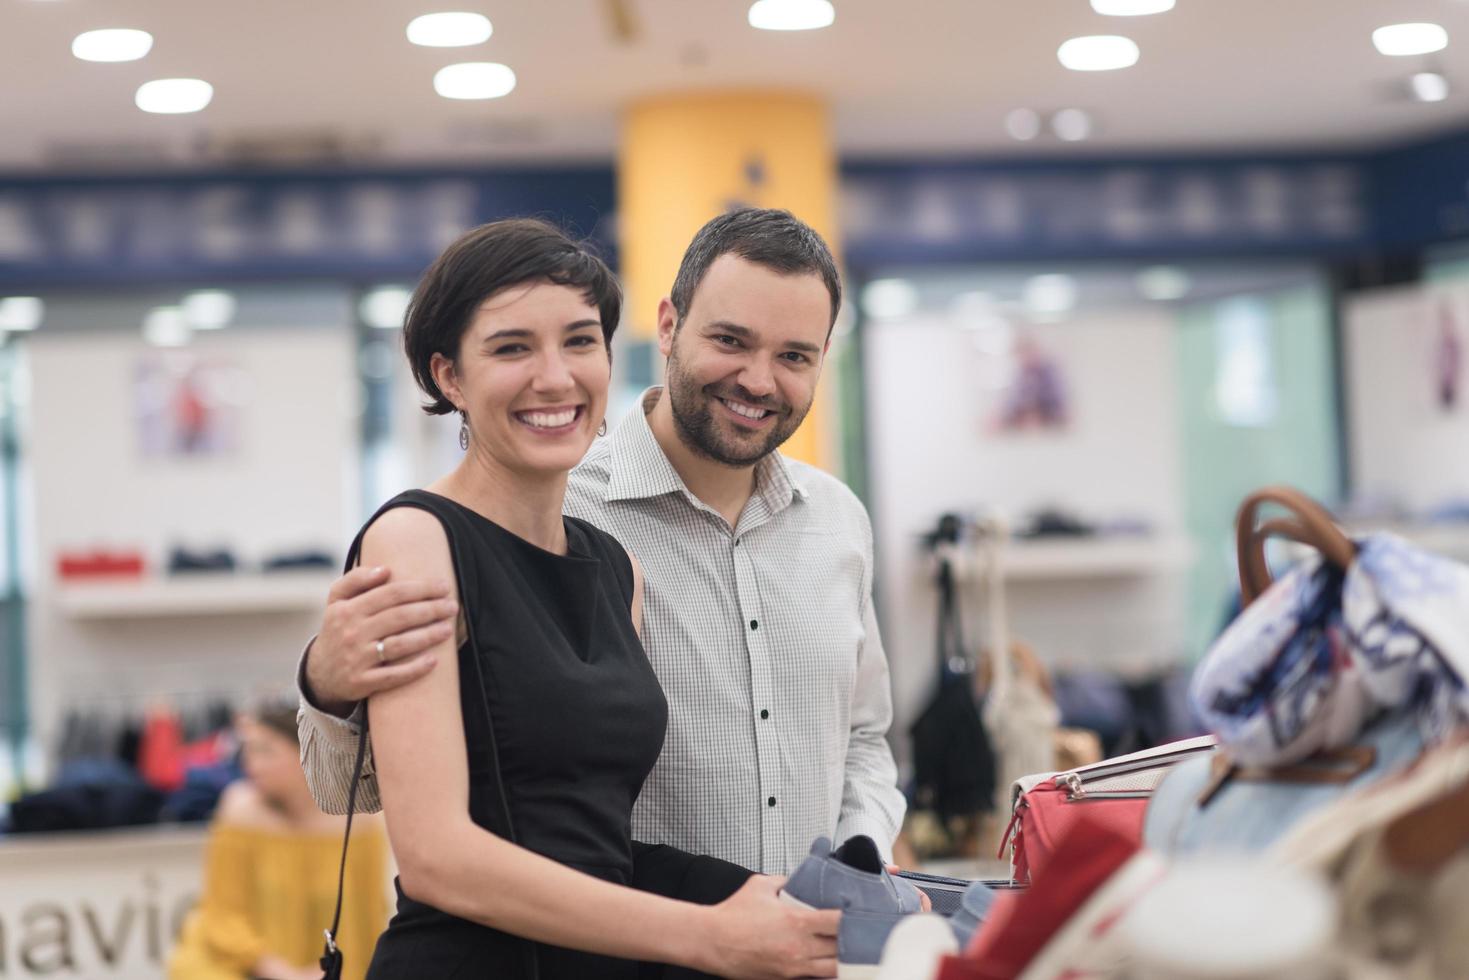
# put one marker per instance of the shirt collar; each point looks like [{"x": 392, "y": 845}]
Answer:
[{"x": 638, "y": 468}]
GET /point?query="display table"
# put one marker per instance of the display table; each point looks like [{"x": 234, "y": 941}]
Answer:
[{"x": 104, "y": 905}]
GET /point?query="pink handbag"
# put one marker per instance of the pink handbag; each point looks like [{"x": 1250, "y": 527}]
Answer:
[{"x": 1113, "y": 792}]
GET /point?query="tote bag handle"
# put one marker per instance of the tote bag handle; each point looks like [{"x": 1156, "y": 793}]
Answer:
[{"x": 1308, "y": 523}]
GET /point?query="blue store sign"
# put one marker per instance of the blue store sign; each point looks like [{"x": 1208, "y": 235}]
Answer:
[
  {"x": 355, "y": 225},
  {"x": 215, "y": 228},
  {"x": 895, "y": 214}
]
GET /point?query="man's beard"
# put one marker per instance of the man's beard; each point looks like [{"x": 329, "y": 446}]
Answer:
[{"x": 693, "y": 417}]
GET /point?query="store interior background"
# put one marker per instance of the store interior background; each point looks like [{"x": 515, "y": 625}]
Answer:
[{"x": 1251, "y": 267}]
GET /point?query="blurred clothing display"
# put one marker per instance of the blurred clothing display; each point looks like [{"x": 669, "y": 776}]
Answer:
[
  {"x": 183, "y": 560},
  {"x": 88, "y": 794},
  {"x": 161, "y": 750},
  {"x": 126, "y": 769},
  {"x": 1128, "y": 713},
  {"x": 99, "y": 563},
  {"x": 291, "y": 561},
  {"x": 1052, "y": 522},
  {"x": 195, "y": 800}
]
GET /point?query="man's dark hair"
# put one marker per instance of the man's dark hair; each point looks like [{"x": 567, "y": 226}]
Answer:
[
  {"x": 770, "y": 237},
  {"x": 479, "y": 264}
]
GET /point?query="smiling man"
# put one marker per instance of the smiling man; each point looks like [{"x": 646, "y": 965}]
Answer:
[{"x": 757, "y": 608}]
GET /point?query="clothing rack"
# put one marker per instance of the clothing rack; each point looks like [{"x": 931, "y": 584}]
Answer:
[{"x": 1018, "y": 714}]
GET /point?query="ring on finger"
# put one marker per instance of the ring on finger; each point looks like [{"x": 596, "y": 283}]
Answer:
[{"x": 381, "y": 655}]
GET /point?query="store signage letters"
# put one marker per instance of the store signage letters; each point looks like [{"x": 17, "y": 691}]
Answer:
[{"x": 95, "y": 936}]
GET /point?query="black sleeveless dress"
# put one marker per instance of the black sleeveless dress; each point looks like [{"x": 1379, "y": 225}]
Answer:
[{"x": 563, "y": 719}]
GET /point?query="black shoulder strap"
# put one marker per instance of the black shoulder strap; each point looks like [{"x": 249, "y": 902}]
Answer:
[{"x": 331, "y": 956}]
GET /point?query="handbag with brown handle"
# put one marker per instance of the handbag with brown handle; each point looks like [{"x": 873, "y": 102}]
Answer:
[{"x": 1308, "y": 523}]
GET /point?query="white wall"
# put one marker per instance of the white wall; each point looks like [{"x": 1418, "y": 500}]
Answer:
[
  {"x": 291, "y": 484},
  {"x": 1405, "y": 447},
  {"x": 932, "y": 451}
]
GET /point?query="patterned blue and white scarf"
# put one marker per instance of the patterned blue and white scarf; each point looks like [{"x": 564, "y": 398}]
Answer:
[{"x": 1321, "y": 652}]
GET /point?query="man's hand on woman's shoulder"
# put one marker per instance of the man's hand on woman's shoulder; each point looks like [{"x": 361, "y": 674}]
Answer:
[{"x": 375, "y": 636}]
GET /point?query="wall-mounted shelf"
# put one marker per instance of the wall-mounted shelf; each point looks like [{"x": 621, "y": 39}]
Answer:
[
  {"x": 1101, "y": 557},
  {"x": 203, "y": 594},
  {"x": 1448, "y": 540}
]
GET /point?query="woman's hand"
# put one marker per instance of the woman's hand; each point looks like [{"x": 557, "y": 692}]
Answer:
[{"x": 755, "y": 936}]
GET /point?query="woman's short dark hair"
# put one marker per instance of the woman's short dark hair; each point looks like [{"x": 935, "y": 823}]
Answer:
[{"x": 482, "y": 262}]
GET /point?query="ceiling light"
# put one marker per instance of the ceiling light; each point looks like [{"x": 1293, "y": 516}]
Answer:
[
  {"x": 1131, "y": 8},
  {"x": 209, "y": 309},
  {"x": 165, "y": 326},
  {"x": 1162, "y": 283},
  {"x": 450, "y": 30},
  {"x": 1100, "y": 52},
  {"x": 1429, "y": 86},
  {"x": 889, "y": 298},
  {"x": 475, "y": 80},
  {"x": 21, "y": 313},
  {"x": 113, "y": 44},
  {"x": 385, "y": 307},
  {"x": 1023, "y": 124},
  {"x": 1071, "y": 125},
  {"x": 791, "y": 15},
  {"x": 1049, "y": 294},
  {"x": 1400, "y": 40},
  {"x": 174, "y": 95}
]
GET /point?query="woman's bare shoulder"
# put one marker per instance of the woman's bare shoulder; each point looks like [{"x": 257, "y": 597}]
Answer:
[
  {"x": 243, "y": 807},
  {"x": 411, "y": 538}
]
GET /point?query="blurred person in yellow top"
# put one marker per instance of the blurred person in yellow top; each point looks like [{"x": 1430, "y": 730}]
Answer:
[{"x": 270, "y": 879}]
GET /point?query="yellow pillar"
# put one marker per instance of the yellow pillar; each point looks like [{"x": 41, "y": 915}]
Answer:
[{"x": 686, "y": 158}]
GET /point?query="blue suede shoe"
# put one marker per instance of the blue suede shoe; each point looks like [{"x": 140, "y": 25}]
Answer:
[
  {"x": 851, "y": 878},
  {"x": 973, "y": 907},
  {"x": 861, "y": 937}
]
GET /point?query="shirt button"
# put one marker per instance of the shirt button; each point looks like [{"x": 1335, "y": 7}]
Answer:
[
  {"x": 764, "y": 713},
  {"x": 770, "y": 802},
  {"x": 754, "y": 624}
]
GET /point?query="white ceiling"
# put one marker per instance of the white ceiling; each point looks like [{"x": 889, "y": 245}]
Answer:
[{"x": 916, "y": 77}]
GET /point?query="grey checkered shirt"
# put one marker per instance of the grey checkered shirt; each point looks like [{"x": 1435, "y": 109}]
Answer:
[{"x": 764, "y": 639}]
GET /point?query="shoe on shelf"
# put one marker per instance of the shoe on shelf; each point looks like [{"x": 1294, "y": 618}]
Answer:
[{"x": 851, "y": 878}]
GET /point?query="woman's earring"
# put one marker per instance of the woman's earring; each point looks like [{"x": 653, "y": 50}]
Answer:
[
  {"x": 602, "y": 429},
  {"x": 464, "y": 431}
]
